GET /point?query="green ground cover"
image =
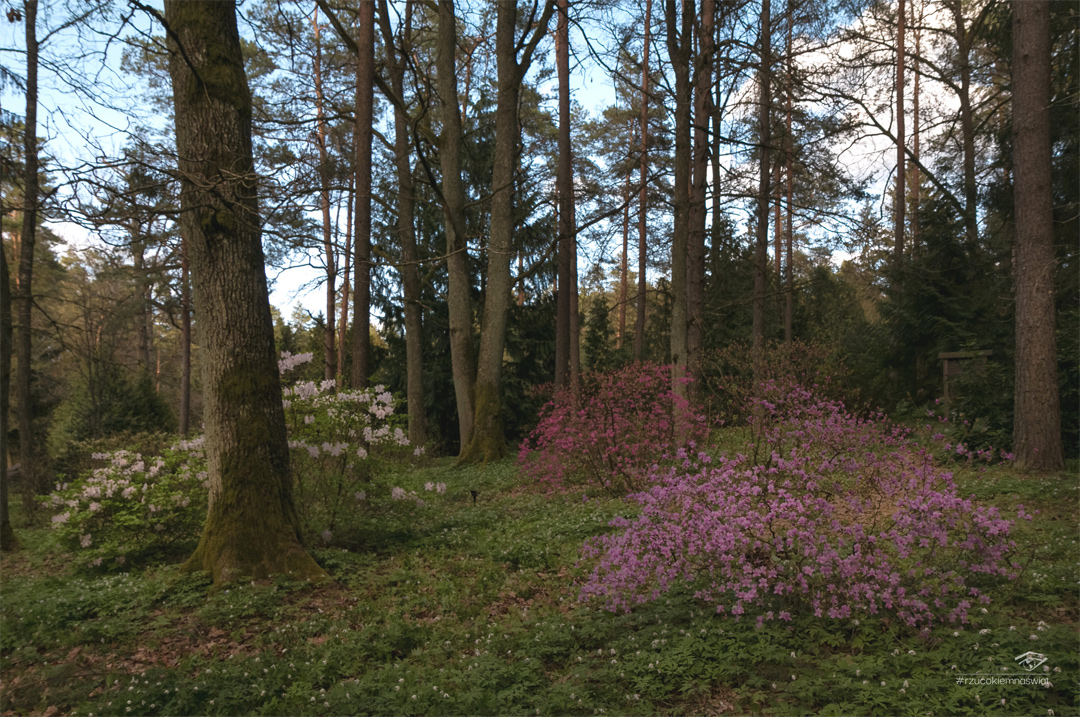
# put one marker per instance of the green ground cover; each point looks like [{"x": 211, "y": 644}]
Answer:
[{"x": 463, "y": 607}]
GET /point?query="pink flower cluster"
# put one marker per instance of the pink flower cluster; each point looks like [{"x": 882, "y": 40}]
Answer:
[
  {"x": 837, "y": 515},
  {"x": 612, "y": 433}
]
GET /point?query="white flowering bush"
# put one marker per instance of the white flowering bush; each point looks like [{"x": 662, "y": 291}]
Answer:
[
  {"x": 132, "y": 510},
  {"x": 339, "y": 441}
]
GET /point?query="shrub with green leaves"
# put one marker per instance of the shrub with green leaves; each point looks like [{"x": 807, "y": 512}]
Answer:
[{"x": 133, "y": 509}]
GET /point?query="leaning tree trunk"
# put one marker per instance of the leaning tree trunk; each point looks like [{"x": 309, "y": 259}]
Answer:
[
  {"x": 252, "y": 528},
  {"x": 1037, "y": 422},
  {"x": 28, "y": 459}
]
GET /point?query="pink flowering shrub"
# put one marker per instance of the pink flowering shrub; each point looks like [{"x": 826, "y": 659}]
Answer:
[
  {"x": 612, "y": 433},
  {"x": 131, "y": 509},
  {"x": 836, "y": 515}
]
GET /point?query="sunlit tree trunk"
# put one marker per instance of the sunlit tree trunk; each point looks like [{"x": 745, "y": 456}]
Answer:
[
  {"x": 252, "y": 528},
  {"x": 28, "y": 448},
  {"x": 185, "y": 341},
  {"x": 1037, "y": 422},
  {"x": 329, "y": 338},
  {"x": 346, "y": 269}
]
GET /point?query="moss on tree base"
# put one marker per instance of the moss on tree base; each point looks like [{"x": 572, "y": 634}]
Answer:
[
  {"x": 233, "y": 550},
  {"x": 488, "y": 442}
]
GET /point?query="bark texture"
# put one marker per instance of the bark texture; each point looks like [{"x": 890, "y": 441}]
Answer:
[
  {"x": 365, "y": 73},
  {"x": 459, "y": 300},
  {"x": 410, "y": 270},
  {"x": 28, "y": 459},
  {"x": 8, "y": 540},
  {"x": 564, "y": 190},
  {"x": 252, "y": 527},
  {"x": 1037, "y": 426},
  {"x": 679, "y": 46},
  {"x": 488, "y": 441},
  {"x": 643, "y": 194},
  {"x": 695, "y": 251},
  {"x": 761, "y": 253},
  {"x": 900, "y": 204}
]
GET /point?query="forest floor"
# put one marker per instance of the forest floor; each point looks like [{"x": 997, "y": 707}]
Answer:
[{"x": 472, "y": 608}]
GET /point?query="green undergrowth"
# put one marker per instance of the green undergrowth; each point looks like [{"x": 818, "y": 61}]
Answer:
[{"x": 468, "y": 605}]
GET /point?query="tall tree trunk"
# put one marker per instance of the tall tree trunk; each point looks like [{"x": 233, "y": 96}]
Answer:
[
  {"x": 643, "y": 198},
  {"x": 900, "y": 200},
  {"x": 28, "y": 459},
  {"x": 252, "y": 528},
  {"x": 142, "y": 315},
  {"x": 488, "y": 441},
  {"x": 624, "y": 266},
  {"x": 695, "y": 249},
  {"x": 778, "y": 219},
  {"x": 365, "y": 80},
  {"x": 575, "y": 311},
  {"x": 680, "y": 46},
  {"x": 761, "y": 254},
  {"x": 965, "y": 38},
  {"x": 916, "y": 180},
  {"x": 564, "y": 193},
  {"x": 410, "y": 270},
  {"x": 789, "y": 139},
  {"x": 185, "y": 340},
  {"x": 346, "y": 268},
  {"x": 329, "y": 338},
  {"x": 1037, "y": 422},
  {"x": 459, "y": 300},
  {"x": 8, "y": 539}
]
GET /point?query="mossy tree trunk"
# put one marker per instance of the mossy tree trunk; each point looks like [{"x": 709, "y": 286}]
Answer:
[
  {"x": 488, "y": 442},
  {"x": 252, "y": 527}
]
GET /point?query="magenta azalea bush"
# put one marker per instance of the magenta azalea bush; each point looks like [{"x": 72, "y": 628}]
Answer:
[
  {"x": 612, "y": 433},
  {"x": 837, "y": 515}
]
